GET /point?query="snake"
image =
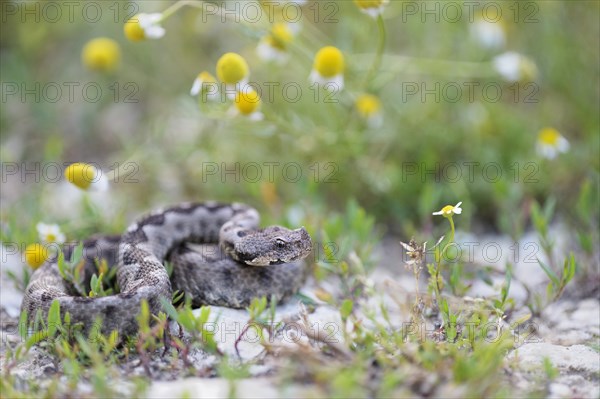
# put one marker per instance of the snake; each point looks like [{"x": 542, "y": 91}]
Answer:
[{"x": 218, "y": 254}]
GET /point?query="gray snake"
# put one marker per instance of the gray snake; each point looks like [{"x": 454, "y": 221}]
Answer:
[{"x": 236, "y": 263}]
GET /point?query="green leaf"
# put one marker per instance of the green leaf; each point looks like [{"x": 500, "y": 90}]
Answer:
[
  {"x": 550, "y": 273},
  {"x": 23, "y": 325},
  {"x": 77, "y": 254},
  {"x": 507, "y": 280},
  {"x": 53, "y": 318},
  {"x": 61, "y": 265},
  {"x": 539, "y": 222},
  {"x": 569, "y": 268},
  {"x": 346, "y": 308}
]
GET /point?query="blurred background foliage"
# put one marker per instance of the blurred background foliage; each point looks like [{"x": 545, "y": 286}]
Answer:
[{"x": 147, "y": 118}]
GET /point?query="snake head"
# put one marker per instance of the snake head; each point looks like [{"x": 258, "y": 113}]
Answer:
[{"x": 273, "y": 246}]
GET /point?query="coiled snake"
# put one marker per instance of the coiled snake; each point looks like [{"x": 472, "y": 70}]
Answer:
[{"x": 247, "y": 263}]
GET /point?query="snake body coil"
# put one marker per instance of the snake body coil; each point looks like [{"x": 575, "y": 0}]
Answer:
[{"x": 235, "y": 263}]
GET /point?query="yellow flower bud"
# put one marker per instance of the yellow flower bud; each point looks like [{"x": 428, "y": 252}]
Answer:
[
  {"x": 329, "y": 62},
  {"x": 368, "y": 105},
  {"x": 101, "y": 54},
  {"x": 280, "y": 36},
  {"x": 144, "y": 26},
  {"x": 247, "y": 102},
  {"x": 133, "y": 31},
  {"x": 86, "y": 177},
  {"x": 36, "y": 255},
  {"x": 232, "y": 68}
]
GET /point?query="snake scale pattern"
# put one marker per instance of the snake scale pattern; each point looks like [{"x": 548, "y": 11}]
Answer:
[{"x": 234, "y": 262}]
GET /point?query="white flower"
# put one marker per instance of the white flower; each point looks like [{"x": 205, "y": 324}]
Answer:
[
  {"x": 372, "y": 8},
  {"x": 368, "y": 107},
  {"x": 488, "y": 34},
  {"x": 207, "y": 84},
  {"x": 274, "y": 45},
  {"x": 508, "y": 65},
  {"x": 449, "y": 210},
  {"x": 328, "y": 69},
  {"x": 514, "y": 67},
  {"x": 550, "y": 143},
  {"x": 50, "y": 233},
  {"x": 150, "y": 23},
  {"x": 267, "y": 52},
  {"x": 86, "y": 176}
]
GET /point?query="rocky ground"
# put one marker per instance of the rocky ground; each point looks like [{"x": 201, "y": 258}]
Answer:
[{"x": 567, "y": 333}]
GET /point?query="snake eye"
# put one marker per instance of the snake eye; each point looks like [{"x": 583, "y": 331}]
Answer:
[{"x": 280, "y": 242}]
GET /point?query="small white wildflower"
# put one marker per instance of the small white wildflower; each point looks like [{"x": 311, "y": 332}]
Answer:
[
  {"x": 449, "y": 210},
  {"x": 50, "y": 233},
  {"x": 207, "y": 84},
  {"x": 550, "y": 143},
  {"x": 514, "y": 67},
  {"x": 489, "y": 34}
]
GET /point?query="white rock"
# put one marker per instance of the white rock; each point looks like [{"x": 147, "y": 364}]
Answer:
[
  {"x": 574, "y": 358},
  {"x": 10, "y": 296},
  {"x": 213, "y": 388}
]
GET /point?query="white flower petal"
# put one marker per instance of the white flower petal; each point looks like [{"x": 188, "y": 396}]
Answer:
[
  {"x": 269, "y": 53},
  {"x": 334, "y": 83},
  {"x": 488, "y": 34},
  {"x": 508, "y": 65},
  {"x": 196, "y": 87},
  {"x": 99, "y": 184},
  {"x": 373, "y": 12}
]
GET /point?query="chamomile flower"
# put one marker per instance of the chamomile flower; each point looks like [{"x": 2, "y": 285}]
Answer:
[
  {"x": 101, "y": 54},
  {"x": 487, "y": 33},
  {"x": 86, "y": 177},
  {"x": 328, "y": 68},
  {"x": 206, "y": 84},
  {"x": 50, "y": 233},
  {"x": 371, "y": 7},
  {"x": 144, "y": 26},
  {"x": 247, "y": 103},
  {"x": 273, "y": 47},
  {"x": 36, "y": 254},
  {"x": 368, "y": 107},
  {"x": 449, "y": 210},
  {"x": 514, "y": 67},
  {"x": 232, "y": 69},
  {"x": 550, "y": 143}
]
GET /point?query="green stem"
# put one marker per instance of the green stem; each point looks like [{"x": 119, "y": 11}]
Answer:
[
  {"x": 441, "y": 256},
  {"x": 173, "y": 9},
  {"x": 201, "y": 4},
  {"x": 379, "y": 54}
]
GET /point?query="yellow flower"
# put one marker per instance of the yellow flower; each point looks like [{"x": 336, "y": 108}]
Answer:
[
  {"x": 371, "y": 7},
  {"x": 35, "y": 255},
  {"x": 86, "y": 177},
  {"x": 144, "y": 26},
  {"x": 101, "y": 54},
  {"x": 328, "y": 67},
  {"x": 273, "y": 47},
  {"x": 232, "y": 68},
  {"x": 247, "y": 103},
  {"x": 205, "y": 83},
  {"x": 50, "y": 233},
  {"x": 281, "y": 35},
  {"x": 449, "y": 210},
  {"x": 369, "y": 108},
  {"x": 550, "y": 143}
]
